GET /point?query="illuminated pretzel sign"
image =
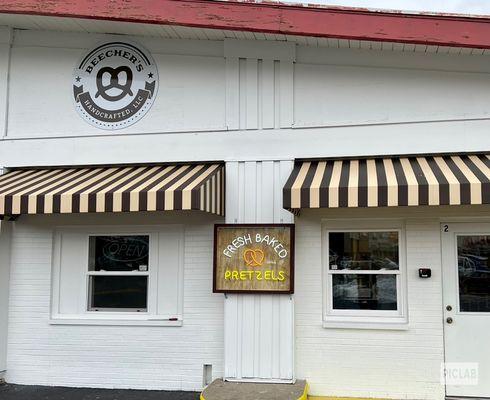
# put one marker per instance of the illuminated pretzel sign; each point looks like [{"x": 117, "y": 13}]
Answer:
[{"x": 253, "y": 258}]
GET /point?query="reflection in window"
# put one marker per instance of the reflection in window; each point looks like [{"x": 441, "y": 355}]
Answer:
[
  {"x": 118, "y": 253},
  {"x": 474, "y": 273},
  {"x": 364, "y": 270},
  {"x": 363, "y": 250},
  {"x": 118, "y": 292},
  {"x": 118, "y": 273},
  {"x": 364, "y": 292}
]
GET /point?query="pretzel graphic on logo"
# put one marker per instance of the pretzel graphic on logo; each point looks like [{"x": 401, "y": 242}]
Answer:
[
  {"x": 114, "y": 83},
  {"x": 253, "y": 257}
]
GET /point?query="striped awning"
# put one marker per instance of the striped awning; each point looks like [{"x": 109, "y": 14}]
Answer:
[
  {"x": 113, "y": 189},
  {"x": 394, "y": 181}
]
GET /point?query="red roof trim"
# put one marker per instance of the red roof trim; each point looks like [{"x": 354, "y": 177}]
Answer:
[{"x": 272, "y": 18}]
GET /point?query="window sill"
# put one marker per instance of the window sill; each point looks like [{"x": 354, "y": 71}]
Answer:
[
  {"x": 114, "y": 322},
  {"x": 388, "y": 325}
]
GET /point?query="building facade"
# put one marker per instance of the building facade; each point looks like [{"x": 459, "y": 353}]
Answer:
[{"x": 378, "y": 152}]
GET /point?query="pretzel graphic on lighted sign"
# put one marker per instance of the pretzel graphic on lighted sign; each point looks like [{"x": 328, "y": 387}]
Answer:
[{"x": 253, "y": 257}]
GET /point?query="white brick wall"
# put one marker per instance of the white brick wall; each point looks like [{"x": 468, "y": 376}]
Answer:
[
  {"x": 336, "y": 362},
  {"x": 4, "y": 292},
  {"x": 110, "y": 356},
  {"x": 372, "y": 363}
]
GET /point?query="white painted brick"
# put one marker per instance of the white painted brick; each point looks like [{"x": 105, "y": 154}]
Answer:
[
  {"x": 371, "y": 363},
  {"x": 109, "y": 356},
  {"x": 336, "y": 362}
]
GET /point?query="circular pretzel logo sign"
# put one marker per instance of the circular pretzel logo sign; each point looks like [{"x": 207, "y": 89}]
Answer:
[{"x": 115, "y": 85}]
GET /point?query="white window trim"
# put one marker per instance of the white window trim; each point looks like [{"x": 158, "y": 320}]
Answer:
[
  {"x": 123, "y": 318},
  {"x": 365, "y": 319}
]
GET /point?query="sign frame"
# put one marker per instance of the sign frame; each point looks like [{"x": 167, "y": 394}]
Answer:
[{"x": 256, "y": 225}]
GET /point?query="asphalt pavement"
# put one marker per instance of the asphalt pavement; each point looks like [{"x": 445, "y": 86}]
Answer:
[{"x": 21, "y": 392}]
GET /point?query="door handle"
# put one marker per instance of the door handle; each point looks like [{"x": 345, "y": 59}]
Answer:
[{"x": 449, "y": 320}]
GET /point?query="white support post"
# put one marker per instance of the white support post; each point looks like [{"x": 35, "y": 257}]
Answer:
[
  {"x": 259, "y": 329},
  {"x": 5, "y": 240}
]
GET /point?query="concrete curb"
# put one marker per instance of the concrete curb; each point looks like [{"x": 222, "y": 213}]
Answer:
[{"x": 304, "y": 395}]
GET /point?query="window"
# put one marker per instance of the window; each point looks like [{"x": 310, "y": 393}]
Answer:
[
  {"x": 473, "y": 273},
  {"x": 364, "y": 276},
  {"x": 118, "y": 275}
]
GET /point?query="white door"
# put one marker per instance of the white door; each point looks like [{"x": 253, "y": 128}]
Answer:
[{"x": 466, "y": 279}]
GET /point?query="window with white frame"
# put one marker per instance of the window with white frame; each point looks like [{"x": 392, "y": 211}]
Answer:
[
  {"x": 118, "y": 272},
  {"x": 364, "y": 275},
  {"x": 118, "y": 275}
]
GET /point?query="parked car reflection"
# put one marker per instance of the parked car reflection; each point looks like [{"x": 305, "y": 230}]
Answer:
[
  {"x": 474, "y": 273},
  {"x": 364, "y": 291},
  {"x": 369, "y": 264}
]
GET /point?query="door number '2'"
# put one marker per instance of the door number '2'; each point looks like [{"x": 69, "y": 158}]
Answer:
[{"x": 445, "y": 228}]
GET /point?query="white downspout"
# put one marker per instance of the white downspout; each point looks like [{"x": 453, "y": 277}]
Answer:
[{"x": 6, "y": 38}]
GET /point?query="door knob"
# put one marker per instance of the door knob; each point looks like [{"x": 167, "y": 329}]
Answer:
[{"x": 449, "y": 320}]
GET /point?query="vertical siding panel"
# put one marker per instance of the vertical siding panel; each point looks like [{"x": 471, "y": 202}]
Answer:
[
  {"x": 269, "y": 192},
  {"x": 232, "y": 93},
  {"x": 242, "y": 93},
  {"x": 267, "y": 94},
  {"x": 250, "y": 192},
  {"x": 258, "y": 334},
  {"x": 262, "y": 326},
  {"x": 260, "y": 89},
  {"x": 251, "y": 93},
  {"x": 286, "y": 337},
  {"x": 286, "y": 71},
  {"x": 284, "y": 170},
  {"x": 277, "y": 96},
  {"x": 241, "y": 193},
  {"x": 276, "y": 343},
  {"x": 232, "y": 305},
  {"x": 249, "y": 325},
  {"x": 232, "y": 186},
  {"x": 231, "y": 332},
  {"x": 248, "y": 336},
  {"x": 239, "y": 336},
  {"x": 277, "y": 206},
  {"x": 266, "y": 341},
  {"x": 261, "y": 213},
  {"x": 265, "y": 202}
]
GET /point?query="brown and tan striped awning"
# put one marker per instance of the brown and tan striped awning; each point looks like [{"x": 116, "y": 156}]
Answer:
[
  {"x": 113, "y": 189},
  {"x": 394, "y": 181}
]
